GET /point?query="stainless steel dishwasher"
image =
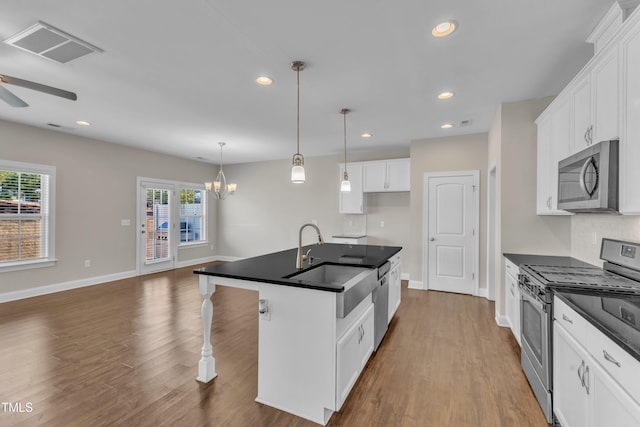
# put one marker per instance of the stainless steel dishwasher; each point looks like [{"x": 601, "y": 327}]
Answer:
[{"x": 380, "y": 296}]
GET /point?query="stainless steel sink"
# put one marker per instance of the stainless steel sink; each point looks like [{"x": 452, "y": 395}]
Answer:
[{"x": 358, "y": 282}]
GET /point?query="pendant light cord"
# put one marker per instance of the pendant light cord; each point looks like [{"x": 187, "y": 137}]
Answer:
[
  {"x": 344, "y": 116},
  {"x": 298, "y": 112}
]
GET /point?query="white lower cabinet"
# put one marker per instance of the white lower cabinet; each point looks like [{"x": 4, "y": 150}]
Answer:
[
  {"x": 587, "y": 393},
  {"x": 570, "y": 398},
  {"x": 353, "y": 351},
  {"x": 394, "y": 286},
  {"x": 512, "y": 297}
]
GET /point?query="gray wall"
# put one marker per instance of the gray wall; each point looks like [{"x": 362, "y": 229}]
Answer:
[
  {"x": 267, "y": 211},
  {"x": 513, "y": 148},
  {"x": 455, "y": 153},
  {"x": 95, "y": 189}
]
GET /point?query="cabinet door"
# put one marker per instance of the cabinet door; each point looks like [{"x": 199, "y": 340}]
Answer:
[
  {"x": 513, "y": 298},
  {"x": 604, "y": 82},
  {"x": 353, "y": 350},
  {"x": 394, "y": 291},
  {"x": 582, "y": 130},
  {"x": 509, "y": 299},
  {"x": 375, "y": 176},
  {"x": 398, "y": 175},
  {"x": 611, "y": 406},
  {"x": 353, "y": 201},
  {"x": 570, "y": 361},
  {"x": 630, "y": 138},
  {"x": 543, "y": 205}
]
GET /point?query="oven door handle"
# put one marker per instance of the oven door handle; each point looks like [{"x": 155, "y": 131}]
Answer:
[{"x": 526, "y": 295}]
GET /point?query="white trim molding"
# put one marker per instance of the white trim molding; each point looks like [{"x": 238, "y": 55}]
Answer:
[{"x": 415, "y": 284}]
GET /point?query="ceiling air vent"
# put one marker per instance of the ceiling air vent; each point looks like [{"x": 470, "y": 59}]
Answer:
[
  {"x": 49, "y": 42},
  {"x": 464, "y": 123}
]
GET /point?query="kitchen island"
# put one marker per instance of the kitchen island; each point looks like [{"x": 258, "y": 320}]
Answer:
[{"x": 313, "y": 341}]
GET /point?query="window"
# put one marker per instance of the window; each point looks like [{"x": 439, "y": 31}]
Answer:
[
  {"x": 26, "y": 215},
  {"x": 192, "y": 215}
]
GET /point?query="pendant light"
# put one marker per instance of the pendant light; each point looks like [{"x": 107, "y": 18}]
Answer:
[
  {"x": 220, "y": 187},
  {"x": 297, "y": 171},
  {"x": 345, "y": 186}
]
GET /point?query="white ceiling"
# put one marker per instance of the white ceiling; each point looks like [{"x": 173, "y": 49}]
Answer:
[{"x": 179, "y": 76}]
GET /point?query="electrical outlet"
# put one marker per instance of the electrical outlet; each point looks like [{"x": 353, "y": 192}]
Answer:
[{"x": 87, "y": 263}]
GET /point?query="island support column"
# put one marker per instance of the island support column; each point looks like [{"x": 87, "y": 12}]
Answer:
[{"x": 207, "y": 363}]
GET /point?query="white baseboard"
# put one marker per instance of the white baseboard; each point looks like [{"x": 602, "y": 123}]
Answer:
[
  {"x": 483, "y": 292},
  {"x": 415, "y": 284},
  {"x": 90, "y": 281},
  {"x": 503, "y": 321},
  {"x": 404, "y": 276},
  {"x": 65, "y": 286}
]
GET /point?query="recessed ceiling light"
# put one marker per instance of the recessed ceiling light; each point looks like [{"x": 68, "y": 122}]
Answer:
[
  {"x": 264, "y": 81},
  {"x": 446, "y": 126},
  {"x": 83, "y": 123},
  {"x": 444, "y": 29},
  {"x": 366, "y": 135},
  {"x": 445, "y": 95}
]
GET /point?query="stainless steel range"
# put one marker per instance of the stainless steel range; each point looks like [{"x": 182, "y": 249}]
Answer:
[{"x": 621, "y": 276}]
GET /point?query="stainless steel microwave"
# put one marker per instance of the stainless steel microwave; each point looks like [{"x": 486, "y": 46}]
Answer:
[{"x": 588, "y": 180}]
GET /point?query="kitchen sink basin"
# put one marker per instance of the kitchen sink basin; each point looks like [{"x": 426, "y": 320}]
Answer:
[{"x": 358, "y": 283}]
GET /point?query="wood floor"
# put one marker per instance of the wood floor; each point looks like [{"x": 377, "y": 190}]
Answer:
[{"x": 125, "y": 354}]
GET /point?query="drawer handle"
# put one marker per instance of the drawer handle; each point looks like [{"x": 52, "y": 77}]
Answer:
[
  {"x": 610, "y": 358},
  {"x": 566, "y": 319},
  {"x": 581, "y": 374},
  {"x": 586, "y": 381}
]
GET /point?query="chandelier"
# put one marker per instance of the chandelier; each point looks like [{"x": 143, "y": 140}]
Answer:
[{"x": 220, "y": 187}]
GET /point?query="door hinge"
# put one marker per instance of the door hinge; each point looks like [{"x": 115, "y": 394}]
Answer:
[
  {"x": 473, "y": 232},
  {"x": 473, "y": 276}
]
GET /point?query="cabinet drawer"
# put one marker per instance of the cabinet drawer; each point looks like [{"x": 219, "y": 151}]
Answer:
[
  {"x": 574, "y": 323},
  {"x": 511, "y": 269},
  {"x": 622, "y": 367}
]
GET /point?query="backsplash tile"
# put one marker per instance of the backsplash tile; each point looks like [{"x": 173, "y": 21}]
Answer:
[{"x": 587, "y": 232}]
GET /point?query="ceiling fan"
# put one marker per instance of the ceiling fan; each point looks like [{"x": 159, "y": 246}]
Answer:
[{"x": 11, "y": 99}]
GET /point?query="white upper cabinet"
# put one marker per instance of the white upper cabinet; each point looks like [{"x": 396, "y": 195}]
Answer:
[
  {"x": 630, "y": 118},
  {"x": 387, "y": 175},
  {"x": 605, "y": 94},
  {"x": 352, "y": 202},
  {"x": 581, "y": 127},
  {"x": 553, "y": 145}
]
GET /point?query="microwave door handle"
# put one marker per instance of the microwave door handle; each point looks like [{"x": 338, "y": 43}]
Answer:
[{"x": 583, "y": 174}]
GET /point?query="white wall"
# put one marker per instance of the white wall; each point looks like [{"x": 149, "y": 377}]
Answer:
[{"x": 95, "y": 189}]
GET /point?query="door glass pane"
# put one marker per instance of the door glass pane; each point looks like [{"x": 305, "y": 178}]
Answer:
[
  {"x": 157, "y": 224},
  {"x": 532, "y": 328}
]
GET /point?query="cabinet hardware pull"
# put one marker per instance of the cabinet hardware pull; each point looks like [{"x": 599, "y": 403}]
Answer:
[
  {"x": 566, "y": 319},
  {"x": 610, "y": 358},
  {"x": 586, "y": 381},
  {"x": 580, "y": 374}
]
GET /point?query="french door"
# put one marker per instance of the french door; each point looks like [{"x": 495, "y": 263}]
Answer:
[{"x": 156, "y": 227}]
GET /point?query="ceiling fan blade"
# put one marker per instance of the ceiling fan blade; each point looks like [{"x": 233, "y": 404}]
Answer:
[
  {"x": 11, "y": 99},
  {"x": 39, "y": 87}
]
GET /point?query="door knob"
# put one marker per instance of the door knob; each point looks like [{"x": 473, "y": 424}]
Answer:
[{"x": 433, "y": 239}]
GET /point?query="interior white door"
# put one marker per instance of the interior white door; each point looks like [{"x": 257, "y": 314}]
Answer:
[
  {"x": 452, "y": 239},
  {"x": 156, "y": 247}
]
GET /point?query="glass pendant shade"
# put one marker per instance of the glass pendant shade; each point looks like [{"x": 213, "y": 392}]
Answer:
[
  {"x": 345, "y": 186},
  {"x": 297, "y": 175}
]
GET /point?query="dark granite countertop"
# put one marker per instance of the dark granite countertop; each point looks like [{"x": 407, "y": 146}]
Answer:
[
  {"x": 561, "y": 261},
  {"x": 603, "y": 311},
  {"x": 275, "y": 267}
]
